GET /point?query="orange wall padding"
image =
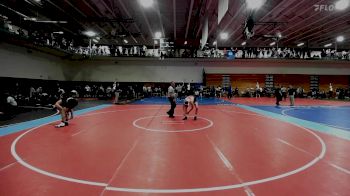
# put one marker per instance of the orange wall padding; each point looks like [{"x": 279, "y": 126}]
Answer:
[
  {"x": 243, "y": 81},
  {"x": 297, "y": 81},
  {"x": 337, "y": 82}
]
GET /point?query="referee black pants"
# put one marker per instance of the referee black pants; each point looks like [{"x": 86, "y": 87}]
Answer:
[{"x": 173, "y": 106}]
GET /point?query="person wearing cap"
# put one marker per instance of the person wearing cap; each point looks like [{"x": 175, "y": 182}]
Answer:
[
  {"x": 193, "y": 103},
  {"x": 65, "y": 107}
]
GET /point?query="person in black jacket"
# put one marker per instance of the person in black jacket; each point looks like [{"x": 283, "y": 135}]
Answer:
[{"x": 278, "y": 95}]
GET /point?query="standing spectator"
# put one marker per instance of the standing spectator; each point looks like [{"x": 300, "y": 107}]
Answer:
[
  {"x": 291, "y": 93},
  {"x": 101, "y": 92},
  {"x": 236, "y": 92},
  {"x": 218, "y": 91},
  {"x": 172, "y": 99},
  {"x": 188, "y": 89},
  {"x": 229, "y": 92},
  {"x": 149, "y": 91},
  {"x": 284, "y": 92},
  {"x": 108, "y": 92},
  {"x": 60, "y": 92},
  {"x": 330, "y": 93},
  {"x": 87, "y": 91},
  {"x": 117, "y": 90},
  {"x": 257, "y": 90},
  {"x": 179, "y": 90},
  {"x": 31, "y": 92},
  {"x": 278, "y": 95},
  {"x": 11, "y": 106},
  {"x": 144, "y": 89}
]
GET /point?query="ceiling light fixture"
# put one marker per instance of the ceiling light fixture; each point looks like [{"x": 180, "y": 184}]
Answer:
[
  {"x": 328, "y": 45},
  {"x": 58, "y": 32},
  {"x": 279, "y": 34},
  {"x": 90, "y": 33},
  {"x": 224, "y": 35},
  {"x": 244, "y": 43},
  {"x": 342, "y": 4},
  {"x": 158, "y": 35},
  {"x": 300, "y": 44},
  {"x": 254, "y": 4},
  {"x": 146, "y": 3},
  {"x": 125, "y": 41},
  {"x": 273, "y": 43},
  {"x": 340, "y": 38}
]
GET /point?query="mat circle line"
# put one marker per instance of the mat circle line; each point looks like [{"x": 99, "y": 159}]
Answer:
[
  {"x": 168, "y": 131},
  {"x": 165, "y": 191}
]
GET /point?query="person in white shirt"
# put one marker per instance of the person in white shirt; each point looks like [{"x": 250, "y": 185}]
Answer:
[
  {"x": 193, "y": 103},
  {"x": 257, "y": 90},
  {"x": 144, "y": 89},
  {"x": 11, "y": 105},
  {"x": 117, "y": 90},
  {"x": 11, "y": 101}
]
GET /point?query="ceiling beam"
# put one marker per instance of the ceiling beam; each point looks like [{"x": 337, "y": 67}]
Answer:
[
  {"x": 41, "y": 16},
  {"x": 307, "y": 28},
  {"x": 160, "y": 19},
  {"x": 288, "y": 5},
  {"x": 201, "y": 22},
  {"x": 91, "y": 8},
  {"x": 75, "y": 8},
  {"x": 232, "y": 20},
  {"x": 189, "y": 18},
  {"x": 81, "y": 13},
  {"x": 64, "y": 11},
  {"x": 331, "y": 34},
  {"x": 121, "y": 24},
  {"x": 147, "y": 22},
  {"x": 174, "y": 18},
  {"x": 308, "y": 10},
  {"x": 281, "y": 3},
  {"x": 129, "y": 16}
]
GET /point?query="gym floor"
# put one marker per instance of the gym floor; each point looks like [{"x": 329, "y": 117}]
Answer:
[{"x": 243, "y": 146}]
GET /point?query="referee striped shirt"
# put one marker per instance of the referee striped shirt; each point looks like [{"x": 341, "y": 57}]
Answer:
[{"x": 171, "y": 92}]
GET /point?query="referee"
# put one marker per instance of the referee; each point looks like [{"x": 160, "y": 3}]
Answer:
[{"x": 172, "y": 99}]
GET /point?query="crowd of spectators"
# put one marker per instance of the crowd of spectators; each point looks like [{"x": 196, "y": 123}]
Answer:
[
  {"x": 59, "y": 40},
  {"x": 44, "y": 94},
  {"x": 40, "y": 93}
]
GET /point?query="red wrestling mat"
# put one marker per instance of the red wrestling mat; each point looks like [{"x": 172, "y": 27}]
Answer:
[{"x": 138, "y": 150}]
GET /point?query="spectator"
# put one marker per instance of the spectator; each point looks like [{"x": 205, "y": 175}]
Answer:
[
  {"x": 11, "y": 106},
  {"x": 278, "y": 95},
  {"x": 291, "y": 93}
]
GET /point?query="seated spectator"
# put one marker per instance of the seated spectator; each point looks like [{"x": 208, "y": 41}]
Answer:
[{"x": 10, "y": 106}]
